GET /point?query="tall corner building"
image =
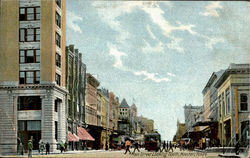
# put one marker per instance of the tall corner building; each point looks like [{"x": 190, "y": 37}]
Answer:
[{"x": 32, "y": 73}]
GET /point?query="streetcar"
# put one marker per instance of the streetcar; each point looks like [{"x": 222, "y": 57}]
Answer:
[{"x": 152, "y": 141}]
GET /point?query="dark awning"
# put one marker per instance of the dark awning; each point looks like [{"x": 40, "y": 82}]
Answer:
[
  {"x": 205, "y": 123},
  {"x": 84, "y": 135}
]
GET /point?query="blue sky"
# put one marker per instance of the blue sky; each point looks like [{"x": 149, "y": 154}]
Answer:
[{"x": 159, "y": 53}]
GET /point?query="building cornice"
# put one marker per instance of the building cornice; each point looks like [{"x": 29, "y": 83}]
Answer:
[{"x": 33, "y": 86}]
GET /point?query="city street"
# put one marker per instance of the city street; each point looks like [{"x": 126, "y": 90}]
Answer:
[{"x": 117, "y": 154}]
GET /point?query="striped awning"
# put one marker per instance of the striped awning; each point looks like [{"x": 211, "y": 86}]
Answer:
[
  {"x": 72, "y": 137},
  {"x": 84, "y": 135}
]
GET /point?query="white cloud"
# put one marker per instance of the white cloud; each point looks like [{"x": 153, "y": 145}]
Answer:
[
  {"x": 117, "y": 55},
  {"x": 150, "y": 32},
  {"x": 151, "y": 76},
  {"x": 72, "y": 20},
  {"x": 156, "y": 14},
  {"x": 110, "y": 11},
  {"x": 212, "y": 40},
  {"x": 170, "y": 74},
  {"x": 175, "y": 44},
  {"x": 113, "y": 51},
  {"x": 155, "y": 49},
  {"x": 211, "y": 9}
]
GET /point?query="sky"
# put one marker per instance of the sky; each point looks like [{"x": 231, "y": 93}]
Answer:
[{"x": 158, "y": 55}]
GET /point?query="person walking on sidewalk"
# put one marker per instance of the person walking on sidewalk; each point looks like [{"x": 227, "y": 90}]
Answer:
[
  {"x": 62, "y": 146},
  {"x": 21, "y": 149},
  {"x": 171, "y": 146},
  {"x": 127, "y": 146},
  {"x": 41, "y": 147},
  {"x": 136, "y": 147},
  {"x": 167, "y": 146},
  {"x": 30, "y": 148},
  {"x": 47, "y": 148},
  {"x": 163, "y": 147},
  {"x": 237, "y": 147}
]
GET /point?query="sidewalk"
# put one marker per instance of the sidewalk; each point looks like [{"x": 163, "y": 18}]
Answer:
[
  {"x": 58, "y": 152},
  {"x": 229, "y": 152}
]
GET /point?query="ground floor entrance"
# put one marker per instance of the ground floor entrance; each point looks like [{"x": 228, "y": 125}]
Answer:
[{"x": 25, "y": 135}]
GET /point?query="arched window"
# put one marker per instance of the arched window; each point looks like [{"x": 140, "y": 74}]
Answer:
[{"x": 243, "y": 102}]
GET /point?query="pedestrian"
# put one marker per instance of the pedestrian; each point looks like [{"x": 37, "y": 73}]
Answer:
[
  {"x": 237, "y": 147},
  {"x": 61, "y": 146},
  {"x": 170, "y": 146},
  {"x": 41, "y": 147},
  {"x": 20, "y": 148},
  {"x": 30, "y": 148},
  {"x": 136, "y": 145},
  {"x": 167, "y": 145},
  {"x": 182, "y": 142},
  {"x": 204, "y": 143},
  {"x": 127, "y": 146},
  {"x": 65, "y": 146},
  {"x": 163, "y": 147},
  {"x": 47, "y": 148}
]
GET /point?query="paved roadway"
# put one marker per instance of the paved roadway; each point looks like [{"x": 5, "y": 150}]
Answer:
[{"x": 120, "y": 154}]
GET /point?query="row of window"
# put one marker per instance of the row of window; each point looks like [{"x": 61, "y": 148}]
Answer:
[
  {"x": 33, "y": 35},
  {"x": 29, "y": 13},
  {"x": 34, "y": 13},
  {"x": 30, "y": 56},
  {"x": 32, "y": 125},
  {"x": 33, "y": 56},
  {"x": 33, "y": 103},
  {"x": 29, "y": 35},
  {"x": 33, "y": 77},
  {"x": 225, "y": 108},
  {"x": 29, "y": 77},
  {"x": 29, "y": 103}
]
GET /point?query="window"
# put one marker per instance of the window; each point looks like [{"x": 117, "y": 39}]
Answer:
[
  {"x": 243, "y": 102},
  {"x": 29, "y": 56},
  {"x": 228, "y": 101},
  {"x": 56, "y": 128},
  {"x": 58, "y": 40},
  {"x": 29, "y": 35},
  {"x": 33, "y": 125},
  {"x": 69, "y": 108},
  {"x": 29, "y": 77},
  {"x": 21, "y": 125},
  {"x": 245, "y": 133},
  {"x": 29, "y": 103},
  {"x": 58, "y": 20},
  {"x": 58, "y": 60},
  {"x": 56, "y": 104},
  {"x": 58, "y": 79},
  {"x": 58, "y": 2},
  {"x": 29, "y": 13}
]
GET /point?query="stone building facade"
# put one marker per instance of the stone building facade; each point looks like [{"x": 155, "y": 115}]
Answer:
[
  {"x": 104, "y": 103},
  {"x": 76, "y": 81},
  {"x": 234, "y": 110},
  {"x": 190, "y": 113},
  {"x": 32, "y": 73}
]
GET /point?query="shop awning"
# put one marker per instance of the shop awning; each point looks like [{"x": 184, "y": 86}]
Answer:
[
  {"x": 72, "y": 137},
  {"x": 205, "y": 123},
  {"x": 84, "y": 135}
]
